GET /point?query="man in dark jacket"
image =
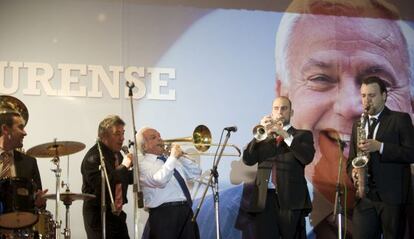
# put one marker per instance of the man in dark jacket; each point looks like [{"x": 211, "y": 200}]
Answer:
[
  {"x": 111, "y": 137},
  {"x": 281, "y": 199}
]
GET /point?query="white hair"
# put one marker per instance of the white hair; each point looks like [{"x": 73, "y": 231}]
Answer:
[
  {"x": 140, "y": 139},
  {"x": 408, "y": 36},
  {"x": 289, "y": 20},
  {"x": 283, "y": 37}
]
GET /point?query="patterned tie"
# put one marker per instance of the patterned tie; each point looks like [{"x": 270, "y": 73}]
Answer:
[
  {"x": 118, "y": 189},
  {"x": 181, "y": 182},
  {"x": 6, "y": 170}
]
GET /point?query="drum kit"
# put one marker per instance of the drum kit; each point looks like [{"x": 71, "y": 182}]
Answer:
[{"x": 19, "y": 217}]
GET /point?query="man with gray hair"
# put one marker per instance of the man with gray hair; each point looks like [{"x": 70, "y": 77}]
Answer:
[
  {"x": 324, "y": 48},
  {"x": 163, "y": 180},
  {"x": 110, "y": 139}
]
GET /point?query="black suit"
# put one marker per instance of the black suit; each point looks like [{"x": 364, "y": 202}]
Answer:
[
  {"x": 389, "y": 180},
  {"x": 91, "y": 176},
  {"x": 290, "y": 201},
  {"x": 26, "y": 167}
]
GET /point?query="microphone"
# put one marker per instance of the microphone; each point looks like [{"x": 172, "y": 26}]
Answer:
[
  {"x": 124, "y": 149},
  {"x": 231, "y": 128},
  {"x": 130, "y": 85},
  {"x": 333, "y": 135}
]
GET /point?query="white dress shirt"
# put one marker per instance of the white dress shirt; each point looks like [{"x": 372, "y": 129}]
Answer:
[
  {"x": 288, "y": 141},
  {"x": 158, "y": 182},
  {"x": 374, "y": 135}
]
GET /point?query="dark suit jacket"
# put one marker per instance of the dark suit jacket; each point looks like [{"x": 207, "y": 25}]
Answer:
[
  {"x": 26, "y": 167},
  {"x": 391, "y": 169},
  {"x": 91, "y": 177},
  {"x": 290, "y": 163}
]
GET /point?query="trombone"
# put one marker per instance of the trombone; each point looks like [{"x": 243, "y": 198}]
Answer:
[{"x": 201, "y": 140}]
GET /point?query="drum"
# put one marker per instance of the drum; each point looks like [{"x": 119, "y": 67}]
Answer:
[
  {"x": 25, "y": 233},
  {"x": 17, "y": 208},
  {"x": 45, "y": 226}
]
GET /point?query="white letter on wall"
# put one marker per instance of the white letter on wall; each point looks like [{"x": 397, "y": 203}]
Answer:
[
  {"x": 15, "y": 66},
  {"x": 67, "y": 79},
  {"x": 98, "y": 73},
  {"x": 130, "y": 72},
  {"x": 156, "y": 83},
  {"x": 33, "y": 76}
]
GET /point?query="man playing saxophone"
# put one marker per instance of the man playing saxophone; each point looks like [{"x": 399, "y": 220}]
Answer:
[
  {"x": 389, "y": 145},
  {"x": 280, "y": 198}
]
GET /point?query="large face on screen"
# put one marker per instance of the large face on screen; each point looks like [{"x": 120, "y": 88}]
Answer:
[{"x": 326, "y": 65}]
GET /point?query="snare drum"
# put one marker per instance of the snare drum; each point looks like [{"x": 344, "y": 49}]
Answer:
[
  {"x": 17, "y": 209},
  {"x": 45, "y": 226}
]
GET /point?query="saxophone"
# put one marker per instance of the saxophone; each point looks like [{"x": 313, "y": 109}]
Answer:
[{"x": 360, "y": 162}]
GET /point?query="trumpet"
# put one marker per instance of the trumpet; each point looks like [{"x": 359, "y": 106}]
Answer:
[
  {"x": 360, "y": 162},
  {"x": 201, "y": 140},
  {"x": 260, "y": 133}
]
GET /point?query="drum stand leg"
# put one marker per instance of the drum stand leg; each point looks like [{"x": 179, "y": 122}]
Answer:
[
  {"x": 57, "y": 172},
  {"x": 66, "y": 232}
]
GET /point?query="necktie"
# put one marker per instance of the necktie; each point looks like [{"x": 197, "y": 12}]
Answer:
[
  {"x": 279, "y": 140},
  {"x": 6, "y": 170},
  {"x": 118, "y": 190},
  {"x": 371, "y": 127},
  {"x": 181, "y": 182}
]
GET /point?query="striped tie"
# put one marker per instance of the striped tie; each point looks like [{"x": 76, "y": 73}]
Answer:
[
  {"x": 6, "y": 171},
  {"x": 118, "y": 189}
]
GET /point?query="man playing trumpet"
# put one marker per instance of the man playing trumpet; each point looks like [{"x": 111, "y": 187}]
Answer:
[
  {"x": 390, "y": 145},
  {"x": 280, "y": 199}
]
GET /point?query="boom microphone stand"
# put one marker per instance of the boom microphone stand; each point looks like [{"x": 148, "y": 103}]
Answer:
[
  {"x": 138, "y": 196},
  {"x": 338, "y": 210},
  {"x": 104, "y": 178},
  {"x": 213, "y": 182}
]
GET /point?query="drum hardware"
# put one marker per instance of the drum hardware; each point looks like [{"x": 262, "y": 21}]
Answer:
[
  {"x": 54, "y": 150},
  {"x": 67, "y": 198}
]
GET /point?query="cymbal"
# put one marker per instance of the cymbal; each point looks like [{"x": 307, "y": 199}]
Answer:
[
  {"x": 57, "y": 148},
  {"x": 10, "y": 104},
  {"x": 69, "y": 197}
]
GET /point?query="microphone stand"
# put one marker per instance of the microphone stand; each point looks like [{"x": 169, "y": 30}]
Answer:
[
  {"x": 138, "y": 195},
  {"x": 213, "y": 182},
  {"x": 104, "y": 178},
  {"x": 338, "y": 210}
]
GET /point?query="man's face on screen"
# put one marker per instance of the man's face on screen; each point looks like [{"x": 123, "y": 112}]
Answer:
[{"x": 327, "y": 59}]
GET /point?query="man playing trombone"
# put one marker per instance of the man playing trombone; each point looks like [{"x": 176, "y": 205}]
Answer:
[
  {"x": 280, "y": 199},
  {"x": 163, "y": 180}
]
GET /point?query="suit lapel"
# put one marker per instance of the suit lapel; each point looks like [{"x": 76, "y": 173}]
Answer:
[
  {"x": 17, "y": 163},
  {"x": 383, "y": 123},
  {"x": 291, "y": 131}
]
